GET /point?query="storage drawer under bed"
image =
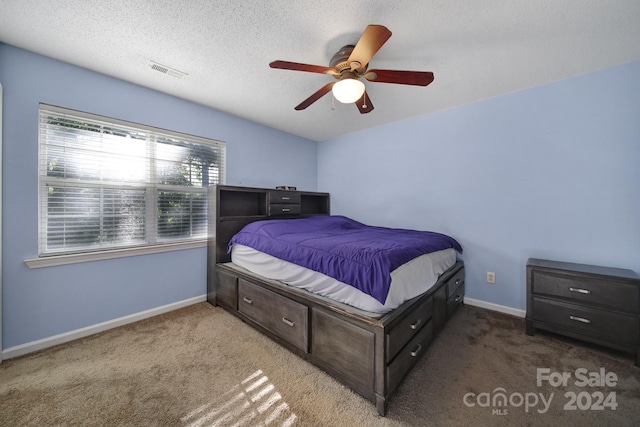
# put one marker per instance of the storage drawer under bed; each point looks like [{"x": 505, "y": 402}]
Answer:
[
  {"x": 455, "y": 300},
  {"x": 408, "y": 327},
  {"x": 408, "y": 356},
  {"x": 454, "y": 283},
  {"x": 280, "y": 315}
]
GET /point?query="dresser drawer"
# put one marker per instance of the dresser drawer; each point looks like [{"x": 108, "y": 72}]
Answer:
[
  {"x": 455, "y": 282},
  {"x": 405, "y": 330},
  {"x": 590, "y": 290},
  {"x": 278, "y": 209},
  {"x": 284, "y": 197},
  {"x": 408, "y": 356},
  {"x": 588, "y": 321},
  {"x": 282, "y": 316}
]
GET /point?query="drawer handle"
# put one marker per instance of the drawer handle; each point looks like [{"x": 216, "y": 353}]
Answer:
[
  {"x": 415, "y": 352},
  {"x": 288, "y": 322},
  {"x": 286, "y": 209},
  {"x": 415, "y": 324},
  {"x": 579, "y": 319},
  {"x": 457, "y": 282},
  {"x": 285, "y": 198},
  {"x": 458, "y": 298},
  {"x": 247, "y": 300},
  {"x": 580, "y": 290}
]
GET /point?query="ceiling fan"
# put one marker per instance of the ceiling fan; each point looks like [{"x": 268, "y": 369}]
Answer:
[{"x": 350, "y": 64}]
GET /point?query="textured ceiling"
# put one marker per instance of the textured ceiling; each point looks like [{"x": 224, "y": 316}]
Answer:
[{"x": 477, "y": 49}]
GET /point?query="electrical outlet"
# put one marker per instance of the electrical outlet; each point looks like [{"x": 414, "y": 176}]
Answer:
[{"x": 491, "y": 277}]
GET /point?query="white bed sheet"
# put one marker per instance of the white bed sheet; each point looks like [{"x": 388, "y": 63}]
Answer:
[{"x": 407, "y": 281}]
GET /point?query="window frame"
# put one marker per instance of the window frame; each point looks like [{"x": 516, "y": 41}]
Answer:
[{"x": 151, "y": 185}]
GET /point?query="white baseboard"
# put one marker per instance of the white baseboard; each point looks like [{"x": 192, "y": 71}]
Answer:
[
  {"x": 32, "y": 346},
  {"x": 495, "y": 307}
]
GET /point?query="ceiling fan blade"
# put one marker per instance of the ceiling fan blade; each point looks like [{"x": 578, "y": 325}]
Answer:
[
  {"x": 370, "y": 42},
  {"x": 313, "y": 98},
  {"x": 417, "y": 78},
  {"x": 296, "y": 66},
  {"x": 364, "y": 103}
]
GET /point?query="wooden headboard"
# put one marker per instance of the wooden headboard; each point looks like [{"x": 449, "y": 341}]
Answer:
[{"x": 231, "y": 208}]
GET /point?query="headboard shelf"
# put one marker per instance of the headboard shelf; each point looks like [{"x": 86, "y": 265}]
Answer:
[{"x": 241, "y": 202}]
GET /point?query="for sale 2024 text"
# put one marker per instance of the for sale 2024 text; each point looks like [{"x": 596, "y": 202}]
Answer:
[{"x": 582, "y": 377}]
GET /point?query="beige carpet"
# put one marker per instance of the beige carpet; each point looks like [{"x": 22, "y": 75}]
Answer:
[{"x": 200, "y": 366}]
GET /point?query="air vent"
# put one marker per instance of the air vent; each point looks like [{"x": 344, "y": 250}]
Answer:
[{"x": 166, "y": 70}]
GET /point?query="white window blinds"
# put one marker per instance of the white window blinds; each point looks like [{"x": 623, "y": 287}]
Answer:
[{"x": 107, "y": 183}]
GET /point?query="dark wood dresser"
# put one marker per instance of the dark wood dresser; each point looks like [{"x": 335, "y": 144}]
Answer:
[{"x": 592, "y": 303}]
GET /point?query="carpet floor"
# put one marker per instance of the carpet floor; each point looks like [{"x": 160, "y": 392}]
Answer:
[{"x": 200, "y": 366}]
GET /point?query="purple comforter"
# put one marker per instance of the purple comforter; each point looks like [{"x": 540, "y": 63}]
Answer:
[{"x": 359, "y": 255}]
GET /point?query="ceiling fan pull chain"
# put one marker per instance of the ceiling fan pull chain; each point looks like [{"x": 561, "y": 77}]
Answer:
[{"x": 333, "y": 103}]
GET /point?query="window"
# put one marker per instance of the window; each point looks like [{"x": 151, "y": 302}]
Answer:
[{"x": 107, "y": 183}]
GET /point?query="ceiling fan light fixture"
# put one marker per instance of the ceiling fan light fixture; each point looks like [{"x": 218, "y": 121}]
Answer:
[{"x": 348, "y": 91}]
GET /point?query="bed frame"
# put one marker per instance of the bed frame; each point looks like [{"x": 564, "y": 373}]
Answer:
[{"x": 369, "y": 355}]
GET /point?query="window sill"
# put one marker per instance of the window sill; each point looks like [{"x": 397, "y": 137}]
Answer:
[{"x": 55, "y": 260}]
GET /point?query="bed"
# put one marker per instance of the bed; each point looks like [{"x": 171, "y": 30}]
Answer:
[{"x": 368, "y": 337}]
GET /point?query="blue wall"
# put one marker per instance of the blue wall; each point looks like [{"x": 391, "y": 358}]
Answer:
[
  {"x": 551, "y": 172},
  {"x": 44, "y": 302}
]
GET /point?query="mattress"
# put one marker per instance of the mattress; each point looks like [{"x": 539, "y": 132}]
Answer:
[
  {"x": 360, "y": 255},
  {"x": 407, "y": 281}
]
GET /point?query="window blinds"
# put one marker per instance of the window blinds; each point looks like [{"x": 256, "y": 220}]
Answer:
[{"x": 107, "y": 183}]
